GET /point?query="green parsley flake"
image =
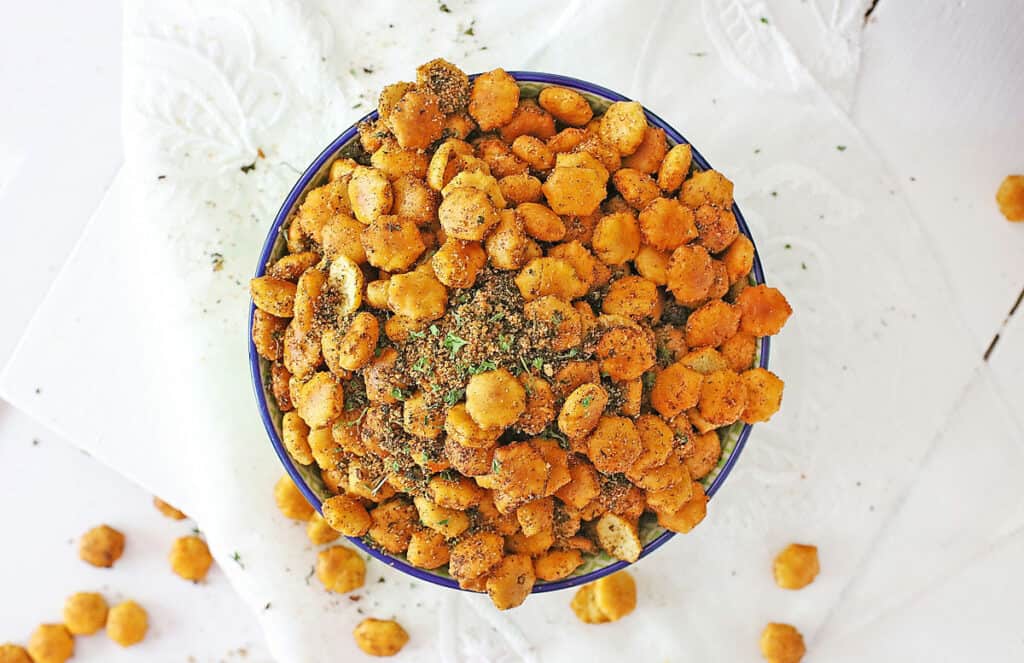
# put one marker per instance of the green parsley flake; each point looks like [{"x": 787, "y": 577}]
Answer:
[
  {"x": 553, "y": 432},
  {"x": 485, "y": 365},
  {"x": 453, "y": 343},
  {"x": 454, "y": 396},
  {"x": 359, "y": 419}
]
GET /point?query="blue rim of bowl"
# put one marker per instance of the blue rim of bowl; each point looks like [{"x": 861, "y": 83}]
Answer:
[{"x": 257, "y": 377}]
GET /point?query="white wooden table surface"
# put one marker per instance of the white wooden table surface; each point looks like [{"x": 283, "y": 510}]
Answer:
[{"x": 941, "y": 96}]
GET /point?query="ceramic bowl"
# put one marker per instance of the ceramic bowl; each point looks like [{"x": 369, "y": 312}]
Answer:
[{"x": 308, "y": 479}]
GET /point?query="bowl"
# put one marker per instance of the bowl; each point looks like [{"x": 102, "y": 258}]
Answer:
[{"x": 308, "y": 480}]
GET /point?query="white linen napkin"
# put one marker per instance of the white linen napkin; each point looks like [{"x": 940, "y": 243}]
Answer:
[{"x": 139, "y": 353}]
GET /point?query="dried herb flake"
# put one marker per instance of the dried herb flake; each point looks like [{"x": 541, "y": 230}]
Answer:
[{"x": 453, "y": 343}]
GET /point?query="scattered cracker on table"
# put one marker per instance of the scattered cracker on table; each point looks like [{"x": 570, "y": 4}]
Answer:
[
  {"x": 319, "y": 531},
  {"x": 607, "y": 599},
  {"x": 51, "y": 643},
  {"x": 101, "y": 546},
  {"x": 796, "y": 566},
  {"x": 1010, "y": 197},
  {"x": 290, "y": 501},
  {"x": 380, "y": 637},
  {"x": 168, "y": 510},
  {"x": 12, "y": 653},
  {"x": 340, "y": 569},
  {"x": 190, "y": 558},
  {"x": 85, "y": 613},
  {"x": 127, "y": 623},
  {"x": 782, "y": 643}
]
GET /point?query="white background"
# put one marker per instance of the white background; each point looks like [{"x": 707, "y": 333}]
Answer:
[{"x": 940, "y": 96}]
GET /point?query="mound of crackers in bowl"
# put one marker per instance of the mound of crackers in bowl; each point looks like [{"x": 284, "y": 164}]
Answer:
[{"x": 510, "y": 329}]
